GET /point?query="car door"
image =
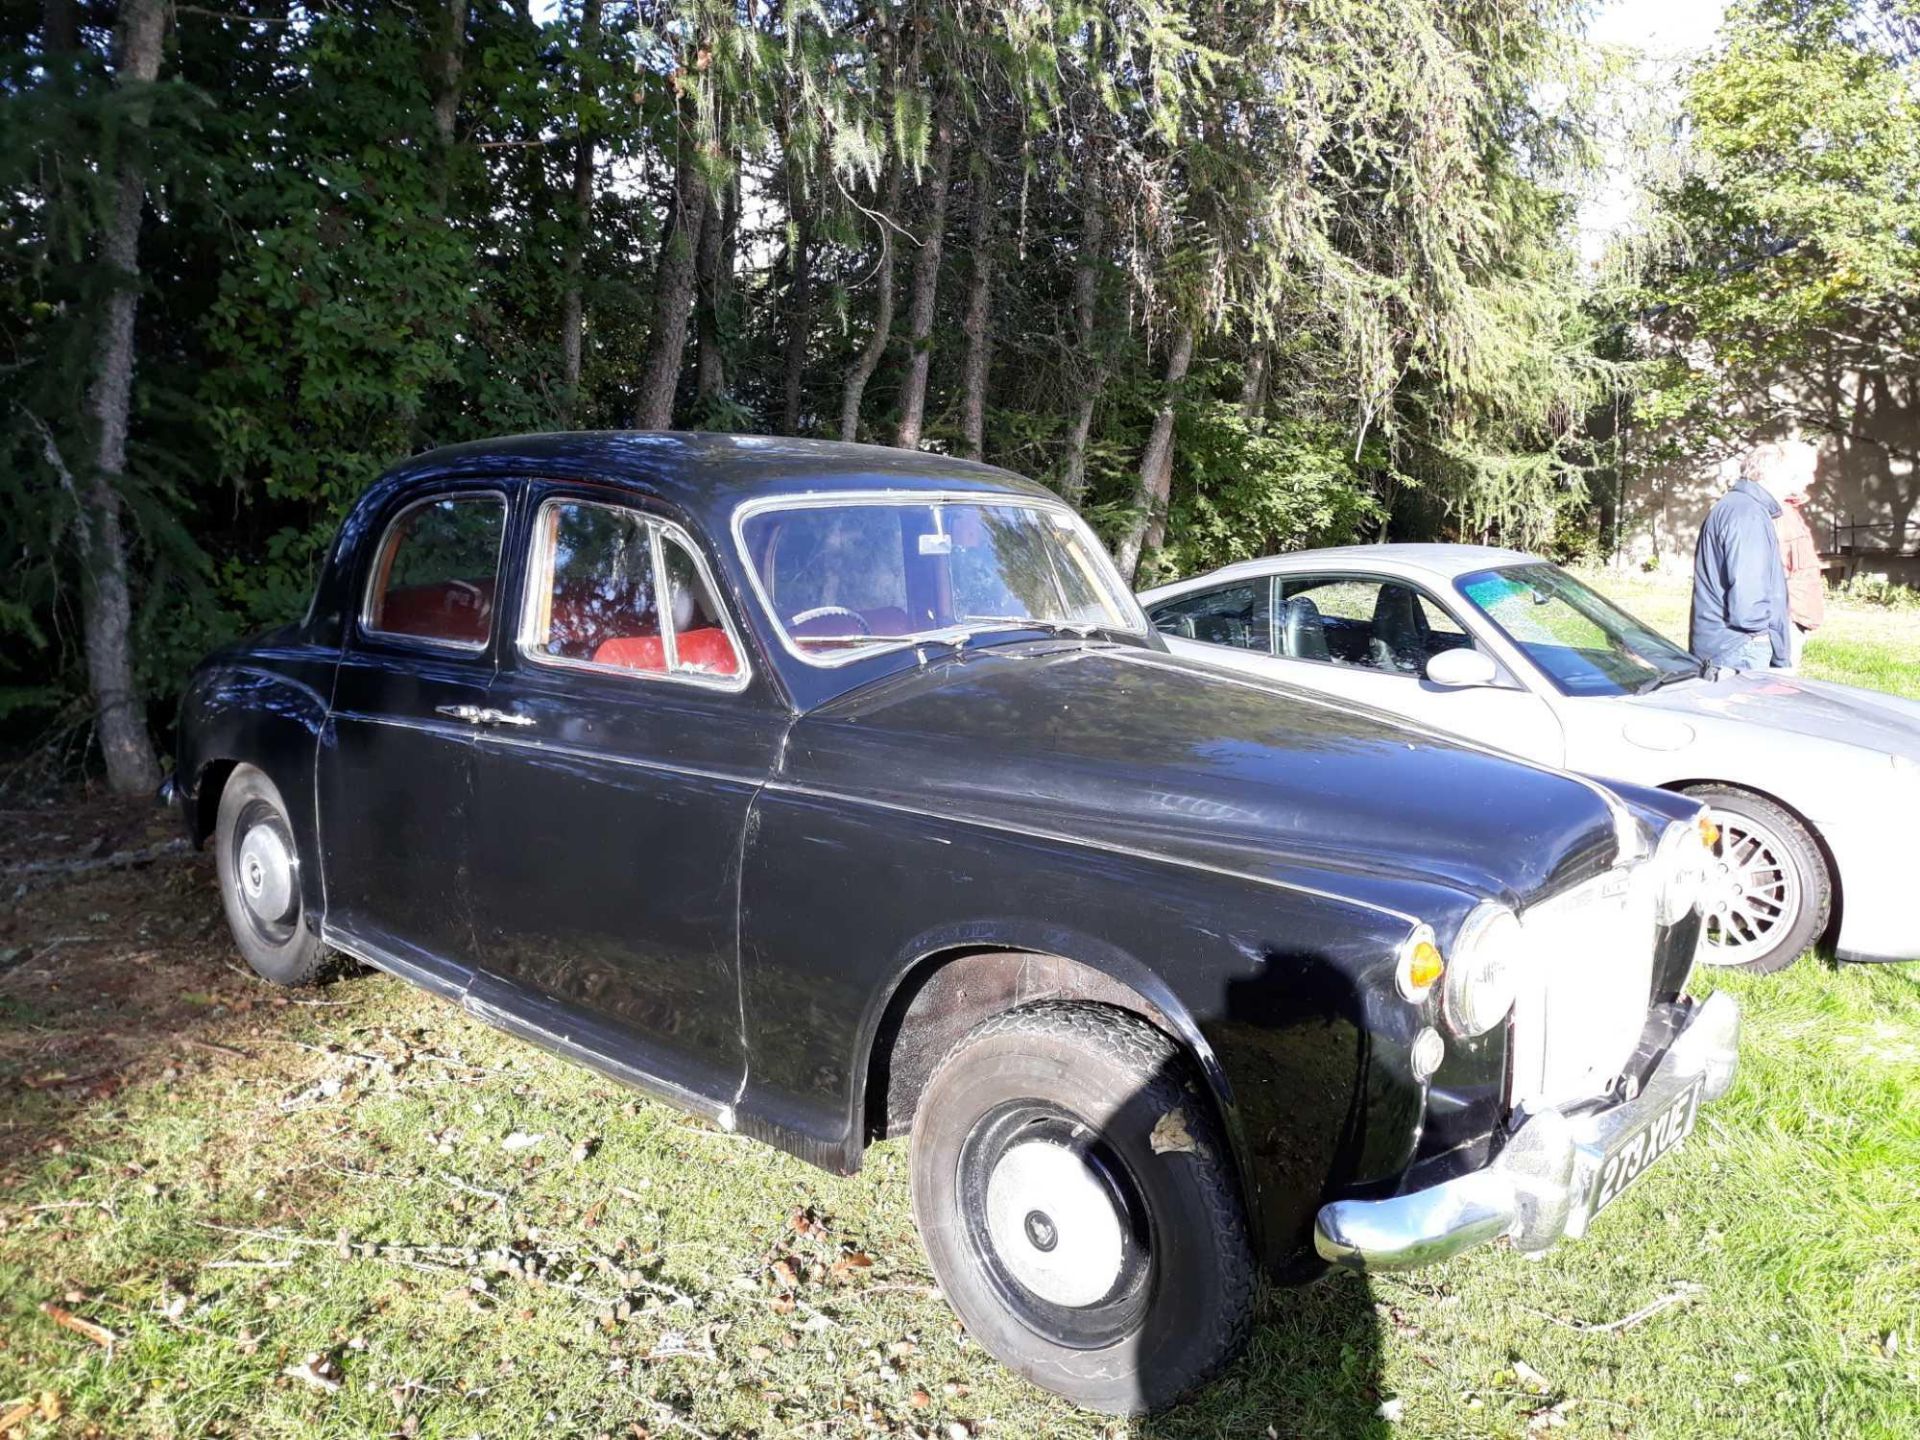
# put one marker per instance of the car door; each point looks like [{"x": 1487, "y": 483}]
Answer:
[
  {"x": 394, "y": 767},
  {"x": 1368, "y": 638},
  {"x": 610, "y": 800}
]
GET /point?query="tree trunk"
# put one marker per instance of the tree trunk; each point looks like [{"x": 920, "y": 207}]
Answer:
[
  {"x": 446, "y": 67},
  {"x": 59, "y": 28},
  {"x": 106, "y": 605},
  {"x": 876, "y": 346},
  {"x": 1086, "y": 294},
  {"x": 978, "y": 323},
  {"x": 799, "y": 304},
  {"x": 1253, "y": 385},
  {"x": 674, "y": 284},
  {"x": 1149, "y": 529},
  {"x": 710, "y": 375},
  {"x": 573, "y": 318},
  {"x": 926, "y": 285}
]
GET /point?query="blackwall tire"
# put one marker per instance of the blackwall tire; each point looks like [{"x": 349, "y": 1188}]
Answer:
[
  {"x": 258, "y": 863},
  {"x": 1768, "y": 848},
  {"x": 1077, "y": 1199}
]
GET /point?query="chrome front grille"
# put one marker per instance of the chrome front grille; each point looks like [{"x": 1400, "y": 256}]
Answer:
[{"x": 1583, "y": 1005}]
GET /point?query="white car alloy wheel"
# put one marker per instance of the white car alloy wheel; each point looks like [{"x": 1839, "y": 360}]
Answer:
[{"x": 1767, "y": 896}]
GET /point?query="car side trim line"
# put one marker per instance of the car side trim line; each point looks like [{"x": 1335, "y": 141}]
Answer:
[
  {"x": 1081, "y": 842},
  {"x": 748, "y": 778}
]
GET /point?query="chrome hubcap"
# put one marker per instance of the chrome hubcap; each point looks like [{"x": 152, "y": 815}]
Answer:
[
  {"x": 1055, "y": 1223},
  {"x": 265, "y": 867},
  {"x": 1752, "y": 896}
]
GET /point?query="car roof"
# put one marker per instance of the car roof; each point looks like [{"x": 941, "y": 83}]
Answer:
[
  {"x": 1439, "y": 562},
  {"x": 708, "y": 474}
]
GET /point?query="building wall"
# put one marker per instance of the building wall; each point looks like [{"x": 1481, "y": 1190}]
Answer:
[{"x": 1866, "y": 477}]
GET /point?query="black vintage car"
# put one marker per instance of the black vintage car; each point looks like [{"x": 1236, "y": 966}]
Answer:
[{"x": 833, "y": 792}]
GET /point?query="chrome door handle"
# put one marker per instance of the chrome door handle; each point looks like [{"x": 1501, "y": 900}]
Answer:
[
  {"x": 501, "y": 717},
  {"x": 469, "y": 713}
]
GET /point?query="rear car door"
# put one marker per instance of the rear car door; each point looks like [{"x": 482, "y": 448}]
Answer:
[
  {"x": 394, "y": 768},
  {"x": 1368, "y": 638},
  {"x": 611, "y": 797}
]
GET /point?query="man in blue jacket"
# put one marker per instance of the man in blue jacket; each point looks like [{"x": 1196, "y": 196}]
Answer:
[{"x": 1740, "y": 618}]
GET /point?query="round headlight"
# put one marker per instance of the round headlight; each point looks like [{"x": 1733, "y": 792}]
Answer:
[
  {"x": 1483, "y": 974},
  {"x": 1680, "y": 866}
]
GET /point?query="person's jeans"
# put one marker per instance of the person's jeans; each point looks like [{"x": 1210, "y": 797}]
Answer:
[{"x": 1754, "y": 652}]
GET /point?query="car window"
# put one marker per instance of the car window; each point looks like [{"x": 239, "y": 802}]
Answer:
[
  {"x": 846, "y": 577},
  {"x": 611, "y": 588},
  {"x": 436, "y": 571},
  {"x": 1237, "y": 615},
  {"x": 1371, "y": 624},
  {"x": 702, "y": 642},
  {"x": 1439, "y": 622}
]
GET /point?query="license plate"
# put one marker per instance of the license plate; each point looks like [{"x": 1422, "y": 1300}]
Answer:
[{"x": 1634, "y": 1155}]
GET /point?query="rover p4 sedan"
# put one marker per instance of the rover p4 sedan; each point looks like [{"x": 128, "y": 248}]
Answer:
[{"x": 833, "y": 793}]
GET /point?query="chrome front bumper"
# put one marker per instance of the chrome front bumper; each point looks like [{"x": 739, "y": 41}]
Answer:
[{"x": 1538, "y": 1189}]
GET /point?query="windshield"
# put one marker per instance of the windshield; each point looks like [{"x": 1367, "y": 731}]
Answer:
[
  {"x": 856, "y": 576},
  {"x": 1586, "y": 644}
]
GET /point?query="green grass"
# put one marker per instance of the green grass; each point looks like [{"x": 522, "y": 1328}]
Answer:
[{"x": 235, "y": 1182}]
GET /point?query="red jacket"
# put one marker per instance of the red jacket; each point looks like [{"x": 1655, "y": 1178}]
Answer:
[{"x": 1806, "y": 595}]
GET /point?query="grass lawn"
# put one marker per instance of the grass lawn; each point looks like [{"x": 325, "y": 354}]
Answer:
[{"x": 226, "y": 1209}]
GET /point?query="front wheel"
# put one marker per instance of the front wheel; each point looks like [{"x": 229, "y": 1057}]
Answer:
[
  {"x": 1768, "y": 895},
  {"x": 1075, "y": 1195},
  {"x": 259, "y": 867}
]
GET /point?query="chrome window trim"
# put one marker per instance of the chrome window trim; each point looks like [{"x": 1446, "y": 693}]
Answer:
[
  {"x": 363, "y": 621},
  {"x": 540, "y": 571},
  {"x": 827, "y": 499}
]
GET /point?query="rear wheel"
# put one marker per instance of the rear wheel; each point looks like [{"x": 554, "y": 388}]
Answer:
[
  {"x": 1075, "y": 1195},
  {"x": 1768, "y": 895},
  {"x": 259, "y": 867}
]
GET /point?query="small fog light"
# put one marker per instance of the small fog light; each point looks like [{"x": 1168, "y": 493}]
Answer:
[{"x": 1428, "y": 1051}]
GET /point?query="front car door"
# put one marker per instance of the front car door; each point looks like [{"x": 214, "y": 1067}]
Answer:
[
  {"x": 611, "y": 798},
  {"x": 1369, "y": 638},
  {"x": 393, "y": 771}
]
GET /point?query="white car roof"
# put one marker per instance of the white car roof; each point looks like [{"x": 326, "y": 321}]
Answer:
[{"x": 1434, "y": 562}]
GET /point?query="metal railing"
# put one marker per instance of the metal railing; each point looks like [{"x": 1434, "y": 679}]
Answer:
[{"x": 1872, "y": 537}]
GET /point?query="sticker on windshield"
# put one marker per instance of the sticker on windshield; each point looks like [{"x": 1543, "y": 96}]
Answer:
[{"x": 936, "y": 544}]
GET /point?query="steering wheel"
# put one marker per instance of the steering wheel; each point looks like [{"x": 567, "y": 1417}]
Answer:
[
  {"x": 821, "y": 612},
  {"x": 470, "y": 591}
]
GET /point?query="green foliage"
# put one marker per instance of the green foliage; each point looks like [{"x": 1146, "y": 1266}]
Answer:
[{"x": 1251, "y": 488}]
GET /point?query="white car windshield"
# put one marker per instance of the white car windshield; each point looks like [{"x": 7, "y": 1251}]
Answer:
[
  {"x": 855, "y": 576},
  {"x": 1585, "y": 643}
]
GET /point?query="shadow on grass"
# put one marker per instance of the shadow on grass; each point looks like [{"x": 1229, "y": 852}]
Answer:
[
  {"x": 111, "y": 975},
  {"x": 1313, "y": 1368}
]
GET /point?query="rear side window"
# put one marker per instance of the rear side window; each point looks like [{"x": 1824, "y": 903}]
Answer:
[
  {"x": 436, "y": 571},
  {"x": 1237, "y": 615},
  {"x": 613, "y": 589}
]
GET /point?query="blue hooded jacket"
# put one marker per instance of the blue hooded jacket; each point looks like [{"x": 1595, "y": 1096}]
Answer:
[{"x": 1739, "y": 584}]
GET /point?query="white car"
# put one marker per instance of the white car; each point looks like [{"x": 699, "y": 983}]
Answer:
[{"x": 1811, "y": 784}]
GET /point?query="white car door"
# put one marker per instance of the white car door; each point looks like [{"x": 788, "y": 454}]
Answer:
[{"x": 1363, "y": 638}]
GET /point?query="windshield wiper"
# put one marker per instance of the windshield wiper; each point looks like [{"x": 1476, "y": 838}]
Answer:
[
  {"x": 1083, "y": 629},
  {"x": 1670, "y": 677}
]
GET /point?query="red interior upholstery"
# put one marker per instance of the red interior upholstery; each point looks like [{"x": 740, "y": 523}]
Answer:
[
  {"x": 447, "y": 611},
  {"x": 707, "y": 650}
]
